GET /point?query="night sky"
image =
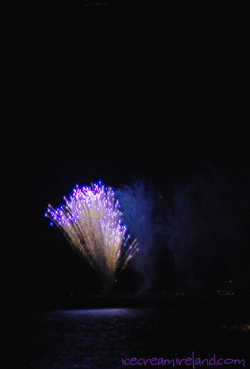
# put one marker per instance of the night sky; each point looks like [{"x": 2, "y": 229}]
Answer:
[{"x": 91, "y": 94}]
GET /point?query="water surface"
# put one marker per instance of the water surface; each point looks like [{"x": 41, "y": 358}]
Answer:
[{"x": 99, "y": 338}]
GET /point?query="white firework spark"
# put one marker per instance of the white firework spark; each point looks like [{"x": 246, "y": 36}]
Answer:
[{"x": 90, "y": 220}]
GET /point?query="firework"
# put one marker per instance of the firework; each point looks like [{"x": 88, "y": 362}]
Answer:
[{"x": 91, "y": 222}]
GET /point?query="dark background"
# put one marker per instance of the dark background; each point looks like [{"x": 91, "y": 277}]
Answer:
[{"x": 104, "y": 93}]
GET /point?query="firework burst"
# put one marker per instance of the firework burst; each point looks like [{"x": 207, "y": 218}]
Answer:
[{"x": 91, "y": 222}]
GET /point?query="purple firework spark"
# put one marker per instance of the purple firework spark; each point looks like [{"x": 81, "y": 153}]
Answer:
[{"x": 90, "y": 220}]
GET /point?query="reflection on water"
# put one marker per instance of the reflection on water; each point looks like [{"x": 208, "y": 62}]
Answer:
[
  {"x": 99, "y": 338},
  {"x": 92, "y": 338},
  {"x": 99, "y": 312}
]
